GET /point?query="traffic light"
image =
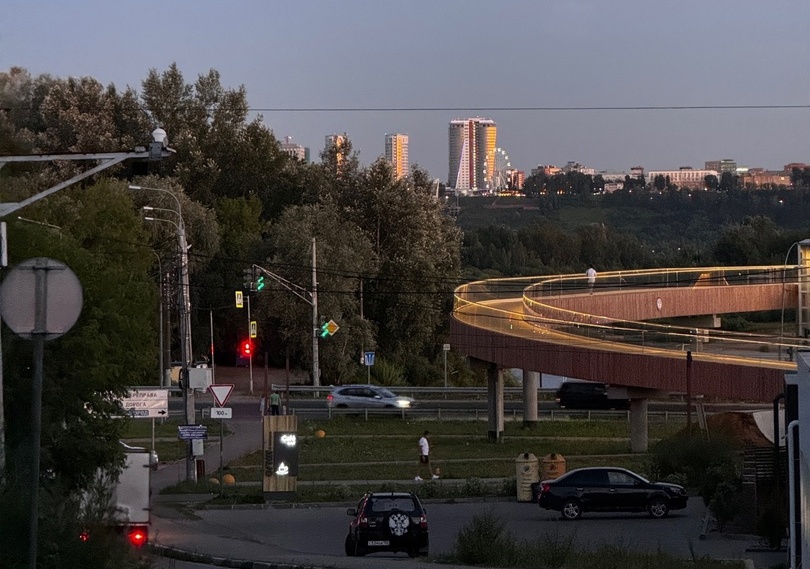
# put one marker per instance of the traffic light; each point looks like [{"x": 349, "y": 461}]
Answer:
[
  {"x": 324, "y": 329},
  {"x": 260, "y": 283},
  {"x": 248, "y": 282},
  {"x": 247, "y": 348}
]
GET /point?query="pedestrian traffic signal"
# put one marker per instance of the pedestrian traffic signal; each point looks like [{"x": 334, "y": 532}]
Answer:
[{"x": 247, "y": 348}]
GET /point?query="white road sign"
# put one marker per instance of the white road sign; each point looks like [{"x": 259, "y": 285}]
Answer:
[
  {"x": 221, "y": 413},
  {"x": 147, "y": 403}
]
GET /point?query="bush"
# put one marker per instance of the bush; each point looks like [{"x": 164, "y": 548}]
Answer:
[
  {"x": 483, "y": 542},
  {"x": 724, "y": 503},
  {"x": 694, "y": 460}
]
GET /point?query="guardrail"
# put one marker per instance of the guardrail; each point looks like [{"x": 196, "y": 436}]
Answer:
[{"x": 413, "y": 391}]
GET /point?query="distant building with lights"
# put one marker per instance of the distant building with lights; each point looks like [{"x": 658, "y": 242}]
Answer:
[
  {"x": 472, "y": 145},
  {"x": 295, "y": 150},
  {"x": 396, "y": 152},
  {"x": 683, "y": 177}
]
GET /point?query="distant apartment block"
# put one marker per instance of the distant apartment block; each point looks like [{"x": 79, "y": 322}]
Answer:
[
  {"x": 396, "y": 152},
  {"x": 472, "y": 147},
  {"x": 546, "y": 170},
  {"x": 337, "y": 141},
  {"x": 637, "y": 172},
  {"x": 295, "y": 150},
  {"x": 759, "y": 177},
  {"x": 684, "y": 177}
]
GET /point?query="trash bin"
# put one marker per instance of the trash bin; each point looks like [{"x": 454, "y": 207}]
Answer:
[
  {"x": 552, "y": 466},
  {"x": 526, "y": 473}
]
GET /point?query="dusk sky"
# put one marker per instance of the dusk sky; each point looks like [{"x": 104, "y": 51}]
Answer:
[{"x": 447, "y": 59}]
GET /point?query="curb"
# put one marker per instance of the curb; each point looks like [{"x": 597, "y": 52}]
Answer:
[{"x": 183, "y": 555}]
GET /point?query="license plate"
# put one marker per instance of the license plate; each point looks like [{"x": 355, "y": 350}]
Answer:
[{"x": 379, "y": 542}]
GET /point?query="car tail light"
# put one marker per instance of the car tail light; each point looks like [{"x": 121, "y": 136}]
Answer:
[
  {"x": 330, "y": 397},
  {"x": 363, "y": 522},
  {"x": 423, "y": 521},
  {"x": 138, "y": 536},
  {"x": 84, "y": 535},
  {"x": 544, "y": 487}
]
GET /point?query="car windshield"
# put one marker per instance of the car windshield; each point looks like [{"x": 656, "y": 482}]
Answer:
[{"x": 385, "y": 393}]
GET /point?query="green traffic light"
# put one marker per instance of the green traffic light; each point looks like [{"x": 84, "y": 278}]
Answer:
[
  {"x": 324, "y": 329},
  {"x": 260, "y": 283}
]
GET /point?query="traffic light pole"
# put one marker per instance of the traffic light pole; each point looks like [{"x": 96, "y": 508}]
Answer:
[
  {"x": 316, "y": 366},
  {"x": 250, "y": 339},
  {"x": 185, "y": 344}
]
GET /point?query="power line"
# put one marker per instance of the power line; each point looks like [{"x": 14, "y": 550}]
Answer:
[{"x": 474, "y": 109}]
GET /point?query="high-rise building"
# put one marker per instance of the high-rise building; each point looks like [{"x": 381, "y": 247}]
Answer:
[
  {"x": 472, "y": 147},
  {"x": 337, "y": 141},
  {"x": 396, "y": 152},
  {"x": 295, "y": 150}
]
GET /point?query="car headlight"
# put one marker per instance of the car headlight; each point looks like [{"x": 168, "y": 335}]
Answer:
[{"x": 403, "y": 404}]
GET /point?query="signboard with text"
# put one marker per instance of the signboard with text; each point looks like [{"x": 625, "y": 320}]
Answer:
[{"x": 147, "y": 403}]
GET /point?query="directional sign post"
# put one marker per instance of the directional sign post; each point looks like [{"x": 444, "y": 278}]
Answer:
[
  {"x": 147, "y": 403},
  {"x": 221, "y": 392},
  {"x": 368, "y": 359}
]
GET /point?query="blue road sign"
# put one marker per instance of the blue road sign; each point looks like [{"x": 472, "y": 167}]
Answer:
[
  {"x": 368, "y": 358},
  {"x": 191, "y": 432}
]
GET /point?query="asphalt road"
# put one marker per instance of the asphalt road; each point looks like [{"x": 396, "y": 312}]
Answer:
[{"x": 316, "y": 534}]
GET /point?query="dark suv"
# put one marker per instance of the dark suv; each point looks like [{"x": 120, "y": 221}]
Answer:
[
  {"x": 388, "y": 521},
  {"x": 587, "y": 395}
]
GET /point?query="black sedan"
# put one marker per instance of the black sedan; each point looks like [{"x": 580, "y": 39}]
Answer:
[
  {"x": 609, "y": 489},
  {"x": 388, "y": 521}
]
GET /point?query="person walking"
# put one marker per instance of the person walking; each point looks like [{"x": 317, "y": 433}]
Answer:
[
  {"x": 591, "y": 274},
  {"x": 424, "y": 459},
  {"x": 275, "y": 403}
]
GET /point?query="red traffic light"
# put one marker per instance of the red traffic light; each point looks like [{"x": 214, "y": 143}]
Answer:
[{"x": 247, "y": 347}]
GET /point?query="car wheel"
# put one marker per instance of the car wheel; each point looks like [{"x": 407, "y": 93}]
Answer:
[
  {"x": 658, "y": 508},
  {"x": 351, "y": 546},
  {"x": 571, "y": 510},
  {"x": 398, "y": 523}
]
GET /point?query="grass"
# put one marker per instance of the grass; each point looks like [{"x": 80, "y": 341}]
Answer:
[
  {"x": 169, "y": 448},
  {"x": 483, "y": 541},
  {"x": 382, "y": 451}
]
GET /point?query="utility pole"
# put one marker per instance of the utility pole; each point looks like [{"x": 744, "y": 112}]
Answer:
[
  {"x": 316, "y": 366},
  {"x": 186, "y": 350}
]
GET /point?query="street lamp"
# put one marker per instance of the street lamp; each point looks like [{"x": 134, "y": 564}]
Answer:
[{"x": 184, "y": 301}]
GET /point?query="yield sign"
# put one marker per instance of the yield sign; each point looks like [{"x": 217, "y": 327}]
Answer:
[{"x": 221, "y": 392}]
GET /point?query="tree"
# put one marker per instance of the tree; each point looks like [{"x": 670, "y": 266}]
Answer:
[{"x": 98, "y": 238}]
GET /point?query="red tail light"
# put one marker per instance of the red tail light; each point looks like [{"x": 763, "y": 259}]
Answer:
[
  {"x": 544, "y": 488},
  {"x": 363, "y": 523},
  {"x": 138, "y": 536},
  {"x": 423, "y": 521},
  {"x": 84, "y": 535},
  {"x": 329, "y": 397}
]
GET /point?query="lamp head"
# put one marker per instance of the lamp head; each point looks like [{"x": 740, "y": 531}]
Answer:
[{"x": 159, "y": 135}]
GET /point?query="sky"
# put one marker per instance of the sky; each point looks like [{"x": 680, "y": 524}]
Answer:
[{"x": 563, "y": 80}]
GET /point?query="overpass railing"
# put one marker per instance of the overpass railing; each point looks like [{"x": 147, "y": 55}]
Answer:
[{"x": 491, "y": 304}]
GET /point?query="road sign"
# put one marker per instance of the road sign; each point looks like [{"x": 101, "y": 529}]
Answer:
[
  {"x": 221, "y": 392},
  {"x": 368, "y": 358},
  {"x": 191, "y": 432},
  {"x": 147, "y": 403},
  {"x": 253, "y": 328},
  {"x": 446, "y": 347},
  {"x": 221, "y": 413},
  {"x": 330, "y": 328},
  {"x": 239, "y": 299}
]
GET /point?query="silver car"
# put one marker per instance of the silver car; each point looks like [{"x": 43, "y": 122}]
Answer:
[{"x": 361, "y": 396}]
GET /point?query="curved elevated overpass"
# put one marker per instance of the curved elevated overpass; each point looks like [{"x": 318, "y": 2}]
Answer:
[{"x": 645, "y": 331}]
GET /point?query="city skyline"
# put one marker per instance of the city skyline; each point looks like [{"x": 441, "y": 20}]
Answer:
[{"x": 611, "y": 85}]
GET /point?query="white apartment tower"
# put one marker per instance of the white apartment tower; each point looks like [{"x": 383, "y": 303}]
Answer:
[
  {"x": 472, "y": 147},
  {"x": 396, "y": 152}
]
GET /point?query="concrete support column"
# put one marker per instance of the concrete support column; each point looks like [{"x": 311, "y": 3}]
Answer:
[
  {"x": 494, "y": 403},
  {"x": 639, "y": 440},
  {"x": 531, "y": 383}
]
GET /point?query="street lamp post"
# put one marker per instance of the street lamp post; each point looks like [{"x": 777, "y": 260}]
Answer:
[{"x": 185, "y": 318}]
